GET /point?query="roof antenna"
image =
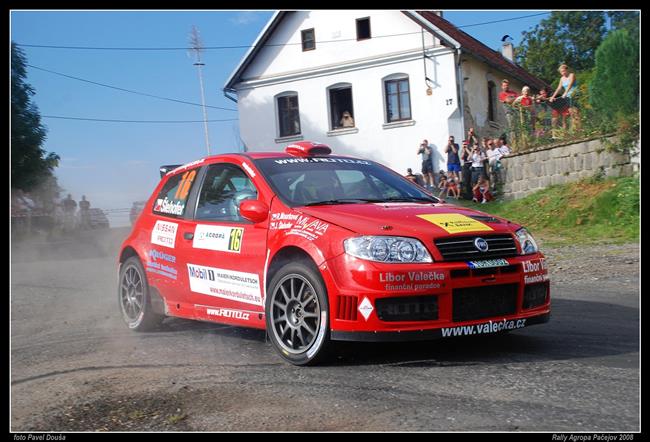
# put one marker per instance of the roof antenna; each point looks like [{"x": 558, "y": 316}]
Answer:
[{"x": 196, "y": 49}]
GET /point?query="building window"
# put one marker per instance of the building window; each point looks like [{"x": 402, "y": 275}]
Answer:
[
  {"x": 341, "y": 109},
  {"x": 363, "y": 28},
  {"x": 308, "y": 39},
  {"x": 288, "y": 114},
  {"x": 398, "y": 101},
  {"x": 492, "y": 95}
]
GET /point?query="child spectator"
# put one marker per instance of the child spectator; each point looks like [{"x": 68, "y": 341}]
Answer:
[
  {"x": 482, "y": 191},
  {"x": 452, "y": 187}
]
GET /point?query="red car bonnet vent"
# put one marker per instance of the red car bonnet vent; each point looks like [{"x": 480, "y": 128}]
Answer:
[{"x": 307, "y": 149}]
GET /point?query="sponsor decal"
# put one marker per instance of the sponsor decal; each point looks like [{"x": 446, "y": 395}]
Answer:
[
  {"x": 481, "y": 329},
  {"x": 227, "y": 284},
  {"x": 219, "y": 238},
  {"x": 185, "y": 166},
  {"x": 321, "y": 160},
  {"x": 164, "y": 234},
  {"x": 422, "y": 280},
  {"x": 488, "y": 263},
  {"x": 169, "y": 207},
  {"x": 248, "y": 169},
  {"x": 365, "y": 308},
  {"x": 308, "y": 228},
  {"x": 535, "y": 279},
  {"x": 534, "y": 266},
  {"x": 160, "y": 268},
  {"x": 228, "y": 313},
  {"x": 456, "y": 223}
]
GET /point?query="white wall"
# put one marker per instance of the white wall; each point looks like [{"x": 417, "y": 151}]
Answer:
[{"x": 433, "y": 116}]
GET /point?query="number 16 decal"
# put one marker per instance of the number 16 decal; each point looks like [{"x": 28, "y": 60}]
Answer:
[{"x": 234, "y": 244}]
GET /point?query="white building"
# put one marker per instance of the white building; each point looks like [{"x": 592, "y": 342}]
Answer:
[{"x": 399, "y": 74}]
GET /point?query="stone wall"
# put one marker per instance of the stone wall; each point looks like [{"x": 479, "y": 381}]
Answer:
[{"x": 525, "y": 173}]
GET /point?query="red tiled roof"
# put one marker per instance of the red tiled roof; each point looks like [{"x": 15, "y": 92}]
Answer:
[{"x": 481, "y": 51}]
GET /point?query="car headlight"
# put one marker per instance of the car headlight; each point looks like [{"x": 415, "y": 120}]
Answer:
[
  {"x": 387, "y": 249},
  {"x": 526, "y": 241}
]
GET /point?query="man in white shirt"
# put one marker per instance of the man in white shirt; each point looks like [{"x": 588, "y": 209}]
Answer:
[
  {"x": 503, "y": 147},
  {"x": 477, "y": 158}
]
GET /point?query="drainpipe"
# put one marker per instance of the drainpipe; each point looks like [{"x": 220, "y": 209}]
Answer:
[{"x": 461, "y": 89}]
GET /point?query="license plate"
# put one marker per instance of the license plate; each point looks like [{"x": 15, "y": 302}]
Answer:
[{"x": 487, "y": 263}]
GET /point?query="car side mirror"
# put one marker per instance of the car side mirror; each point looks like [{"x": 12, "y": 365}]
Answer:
[{"x": 254, "y": 210}]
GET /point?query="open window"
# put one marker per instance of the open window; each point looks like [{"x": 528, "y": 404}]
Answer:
[
  {"x": 363, "y": 28},
  {"x": 340, "y": 105}
]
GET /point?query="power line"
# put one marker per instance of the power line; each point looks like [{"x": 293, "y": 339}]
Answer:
[
  {"x": 250, "y": 46},
  {"x": 134, "y": 121},
  {"x": 126, "y": 90}
]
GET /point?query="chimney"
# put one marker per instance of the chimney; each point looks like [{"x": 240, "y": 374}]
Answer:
[{"x": 508, "y": 51}]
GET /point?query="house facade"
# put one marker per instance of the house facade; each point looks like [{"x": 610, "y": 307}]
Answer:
[{"x": 369, "y": 83}]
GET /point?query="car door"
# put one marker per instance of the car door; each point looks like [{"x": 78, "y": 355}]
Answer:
[
  {"x": 163, "y": 254},
  {"x": 224, "y": 253}
]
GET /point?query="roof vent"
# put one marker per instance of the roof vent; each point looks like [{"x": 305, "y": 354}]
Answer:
[{"x": 308, "y": 149}]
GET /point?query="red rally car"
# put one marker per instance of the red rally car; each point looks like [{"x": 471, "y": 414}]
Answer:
[{"x": 315, "y": 247}]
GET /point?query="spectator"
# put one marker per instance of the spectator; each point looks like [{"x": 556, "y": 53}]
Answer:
[
  {"x": 504, "y": 149},
  {"x": 69, "y": 209},
  {"x": 569, "y": 84},
  {"x": 466, "y": 160},
  {"x": 84, "y": 212},
  {"x": 452, "y": 187},
  {"x": 482, "y": 191},
  {"x": 525, "y": 104},
  {"x": 477, "y": 164},
  {"x": 543, "y": 113},
  {"x": 410, "y": 175},
  {"x": 427, "y": 166},
  {"x": 472, "y": 138},
  {"x": 347, "y": 120},
  {"x": 493, "y": 155},
  {"x": 453, "y": 159},
  {"x": 507, "y": 96}
]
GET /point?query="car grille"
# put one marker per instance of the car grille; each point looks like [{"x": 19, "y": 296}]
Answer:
[
  {"x": 462, "y": 248},
  {"x": 407, "y": 308},
  {"x": 484, "y": 302}
]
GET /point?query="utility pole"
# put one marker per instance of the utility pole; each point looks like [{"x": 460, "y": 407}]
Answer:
[{"x": 196, "y": 49}]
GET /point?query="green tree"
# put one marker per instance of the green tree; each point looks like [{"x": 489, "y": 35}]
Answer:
[
  {"x": 627, "y": 20},
  {"x": 615, "y": 84},
  {"x": 569, "y": 37},
  {"x": 31, "y": 166}
]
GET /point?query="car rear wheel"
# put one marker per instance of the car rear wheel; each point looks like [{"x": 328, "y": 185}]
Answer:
[
  {"x": 297, "y": 318},
  {"x": 134, "y": 297}
]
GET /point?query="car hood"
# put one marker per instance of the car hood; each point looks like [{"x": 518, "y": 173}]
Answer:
[{"x": 410, "y": 219}]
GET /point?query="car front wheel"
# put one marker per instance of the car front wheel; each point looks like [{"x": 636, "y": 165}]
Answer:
[{"x": 297, "y": 318}]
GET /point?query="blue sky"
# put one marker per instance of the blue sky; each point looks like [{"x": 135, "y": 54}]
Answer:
[{"x": 114, "y": 164}]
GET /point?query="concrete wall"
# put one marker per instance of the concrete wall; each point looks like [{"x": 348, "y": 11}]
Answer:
[{"x": 525, "y": 173}]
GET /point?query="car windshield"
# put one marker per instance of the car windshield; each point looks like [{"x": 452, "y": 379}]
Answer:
[{"x": 336, "y": 180}]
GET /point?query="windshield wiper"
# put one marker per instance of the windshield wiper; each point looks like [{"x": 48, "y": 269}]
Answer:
[
  {"x": 372, "y": 200},
  {"x": 339, "y": 201},
  {"x": 403, "y": 199}
]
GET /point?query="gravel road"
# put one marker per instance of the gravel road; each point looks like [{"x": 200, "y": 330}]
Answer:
[{"x": 75, "y": 366}]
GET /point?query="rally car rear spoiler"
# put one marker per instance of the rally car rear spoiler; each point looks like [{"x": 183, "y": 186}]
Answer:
[{"x": 168, "y": 168}]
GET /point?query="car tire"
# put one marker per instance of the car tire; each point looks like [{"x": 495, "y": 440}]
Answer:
[
  {"x": 297, "y": 314},
  {"x": 134, "y": 297}
]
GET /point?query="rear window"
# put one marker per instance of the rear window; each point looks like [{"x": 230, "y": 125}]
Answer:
[{"x": 172, "y": 199}]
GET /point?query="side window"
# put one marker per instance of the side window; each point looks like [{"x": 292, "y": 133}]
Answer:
[
  {"x": 288, "y": 114},
  {"x": 398, "y": 100},
  {"x": 308, "y": 39},
  {"x": 172, "y": 199},
  {"x": 224, "y": 188}
]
